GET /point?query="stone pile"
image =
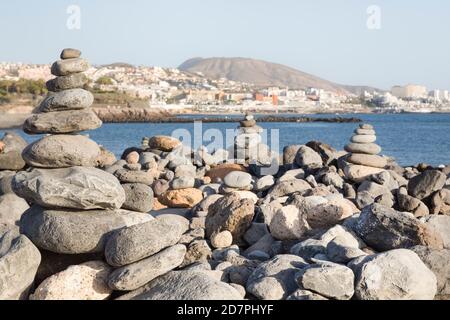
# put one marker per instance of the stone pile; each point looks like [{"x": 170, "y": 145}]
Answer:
[
  {"x": 364, "y": 159},
  {"x": 74, "y": 204},
  {"x": 250, "y": 149},
  {"x": 169, "y": 222}
]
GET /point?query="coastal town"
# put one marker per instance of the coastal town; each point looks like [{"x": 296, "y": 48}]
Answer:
[{"x": 176, "y": 91}]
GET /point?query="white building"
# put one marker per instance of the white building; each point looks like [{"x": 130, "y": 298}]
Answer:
[{"x": 409, "y": 91}]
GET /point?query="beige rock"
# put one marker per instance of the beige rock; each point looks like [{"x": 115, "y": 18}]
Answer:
[
  {"x": 221, "y": 170},
  {"x": 164, "y": 143},
  {"x": 87, "y": 281},
  {"x": 288, "y": 224},
  {"x": 363, "y": 138},
  {"x": 358, "y": 173},
  {"x": 222, "y": 239},
  {"x": 132, "y": 157},
  {"x": 182, "y": 198},
  {"x": 370, "y": 160}
]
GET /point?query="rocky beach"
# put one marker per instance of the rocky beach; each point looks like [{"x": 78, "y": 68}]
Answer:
[{"x": 171, "y": 222}]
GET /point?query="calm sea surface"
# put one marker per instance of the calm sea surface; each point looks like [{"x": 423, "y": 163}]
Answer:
[{"x": 410, "y": 138}]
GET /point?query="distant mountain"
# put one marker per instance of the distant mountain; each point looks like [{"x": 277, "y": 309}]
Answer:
[{"x": 262, "y": 73}]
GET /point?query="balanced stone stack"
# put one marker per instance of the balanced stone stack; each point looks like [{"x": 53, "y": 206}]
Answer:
[
  {"x": 247, "y": 139},
  {"x": 74, "y": 205},
  {"x": 250, "y": 149},
  {"x": 364, "y": 160}
]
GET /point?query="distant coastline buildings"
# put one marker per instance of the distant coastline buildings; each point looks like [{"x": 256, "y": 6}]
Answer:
[{"x": 172, "y": 89}]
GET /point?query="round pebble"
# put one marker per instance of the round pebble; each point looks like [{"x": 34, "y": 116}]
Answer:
[
  {"x": 238, "y": 179},
  {"x": 222, "y": 239}
]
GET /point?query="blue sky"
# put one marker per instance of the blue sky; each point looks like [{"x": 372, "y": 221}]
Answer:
[{"x": 328, "y": 38}]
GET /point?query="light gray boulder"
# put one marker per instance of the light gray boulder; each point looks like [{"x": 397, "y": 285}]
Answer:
[
  {"x": 395, "y": 275},
  {"x": 75, "y": 232},
  {"x": 135, "y": 275},
  {"x": 140, "y": 241},
  {"x": 184, "y": 285},
  {"x": 11, "y": 209},
  {"x": 19, "y": 262},
  {"x": 328, "y": 279},
  {"x": 73, "y": 99},
  {"x": 60, "y": 151},
  {"x": 73, "y": 188},
  {"x": 275, "y": 278},
  {"x": 62, "y": 122}
]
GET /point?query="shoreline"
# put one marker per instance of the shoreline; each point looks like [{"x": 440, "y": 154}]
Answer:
[{"x": 11, "y": 121}]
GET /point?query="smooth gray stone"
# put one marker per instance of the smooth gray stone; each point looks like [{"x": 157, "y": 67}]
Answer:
[
  {"x": 424, "y": 184},
  {"x": 129, "y": 176},
  {"x": 70, "y": 53},
  {"x": 384, "y": 229},
  {"x": 363, "y": 138},
  {"x": 184, "y": 285},
  {"x": 11, "y": 209},
  {"x": 182, "y": 183},
  {"x": 237, "y": 179},
  {"x": 75, "y": 232},
  {"x": 306, "y": 156},
  {"x": 11, "y": 161},
  {"x": 73, "y": 188},
  {"x": 437, "y": 261},
  {"x": 73, "y": 81},
  {"x": 137, "y": 242},
  {"x": 330, "y": 280},
  {"x": 275, "y": 279},
  {"x": 62, "y": 122},
  {"x": 394, "y": 275},
  {"x": 19, "y": 262},
  {"x": 139, "y": 197},
  {"x": 60, "y": 151},
  {"x": 5, "y": 182},
  {"x": 69, "y": 66},
  {"x": 72, "y": 99},
  {"x": 135, "y": 275},
  {"x": 367, "y": 148}
]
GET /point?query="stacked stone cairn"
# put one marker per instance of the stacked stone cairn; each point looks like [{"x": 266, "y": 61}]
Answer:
[
  {"x": 170, "y": 222},
  {"x": 250, "y": 149},
  {"x": 364, "y": 159}
]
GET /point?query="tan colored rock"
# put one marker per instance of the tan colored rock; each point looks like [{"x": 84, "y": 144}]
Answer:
[
  {"x": 87, "y": 281},
  {"x": 358, "y": 173},
  {"x": 231, "y": 213},
  {"x": 158, "y": 205},
  {"x": 370, "y": 160},
  {"x": 288, "y": 223},
  {"x": 132, "y": 157},
  {"x": 164, "y": 143},
  {"x": 221, "y": 170},
  {"x": 182, "y": 198},
  {"x": 222, "y": 239}
]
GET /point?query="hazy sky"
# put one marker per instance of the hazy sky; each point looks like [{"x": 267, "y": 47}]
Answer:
[{"x": 328, "y": 38}]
